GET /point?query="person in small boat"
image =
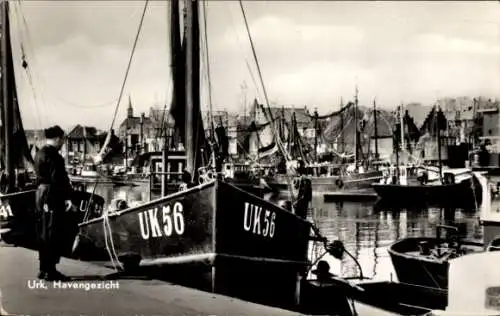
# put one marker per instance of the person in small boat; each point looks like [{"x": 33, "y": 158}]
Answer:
[
  {"x": 53, "y": 199},
  {"x": 322, "y": 272}
]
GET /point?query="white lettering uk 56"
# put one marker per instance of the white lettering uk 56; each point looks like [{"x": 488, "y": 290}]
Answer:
[
  {"x": 171, "y": 218},
  {"x": 259, "y": 221}
]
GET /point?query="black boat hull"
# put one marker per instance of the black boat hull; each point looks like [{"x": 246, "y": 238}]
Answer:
[
  {"x": 420, "y": 270},
  {"x": 466, "y": 194},
  {"x": 251, "y": 247},
  {"x": 330, "y": 183},
  {"x": 18, "y": 217}
]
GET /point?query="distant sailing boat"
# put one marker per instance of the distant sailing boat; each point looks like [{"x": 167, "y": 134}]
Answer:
[
  {"x": 17, "y": 207},
  {"x": 213, "y": 223},
  {"x": 337, "y": 176}
]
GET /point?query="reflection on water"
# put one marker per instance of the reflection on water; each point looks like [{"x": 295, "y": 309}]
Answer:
[{"x": 365, "y": 232}]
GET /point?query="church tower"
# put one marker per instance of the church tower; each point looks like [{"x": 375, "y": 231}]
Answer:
[{"x": 130, "y": 110}]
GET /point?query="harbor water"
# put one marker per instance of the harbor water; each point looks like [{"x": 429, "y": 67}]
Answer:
[{"x": 365, "y": 230}]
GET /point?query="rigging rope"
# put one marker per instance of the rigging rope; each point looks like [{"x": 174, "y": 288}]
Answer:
[
  {"x": 129, "y": 64},
  {"x": 164, "y": 125},
  {"x": 208, "y": 66},
  {"x": 255, "y": 58},
  {"x": 19, "y": 18},
  {"x": 205, "y": 53},
  {"x": 56, "y": 95},
  {"x": 85, "y": 106},
  {"x": 278, "y": 141},
  {"x": 335, "y": 113},
  {"x": 254, "y": 81},
  {"x": 163, "y": 131},
  {"x": 108, "y": 138}
]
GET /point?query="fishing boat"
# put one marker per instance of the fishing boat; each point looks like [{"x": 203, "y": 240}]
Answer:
[
  {"x": 243, "y": 176},
  {"x": 242, "y": 240},
  {"x": 88, "y": 172},
  {"x": 214, "y": 223},
  {"x": 338, "y": 178},
  {"x": 414, "y": 190},
  {"x": 425, "y": 260},
  {"x": 350, "y": 173},
  {"x": 17, "y": 203},
  {"x": 427, "y": 185}
]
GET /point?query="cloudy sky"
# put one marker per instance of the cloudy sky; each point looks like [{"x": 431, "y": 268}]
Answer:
[{"x": 310, "y": 53}]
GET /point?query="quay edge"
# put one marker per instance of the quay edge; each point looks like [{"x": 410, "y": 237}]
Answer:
[{"x": 135, "y": 296}]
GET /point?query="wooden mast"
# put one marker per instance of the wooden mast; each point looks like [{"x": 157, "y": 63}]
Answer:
[
  {"x": 396, "y": 142},
  {"x": 401, "y": 117},
  {"x": 176, "y": 61},
  {"x": 192, "y": 81},
  {"x": 244, "y": 89},
  {"x": 342, "y": 142},
  {"x": 84, "y": 130},
  {"x": 315, "y": 135},
  {"x": 439, "y": 144},
  {"x": 7, "y": 96},
  {"x": 375, "y": 128},
  {"x": 356, "y": 140}
]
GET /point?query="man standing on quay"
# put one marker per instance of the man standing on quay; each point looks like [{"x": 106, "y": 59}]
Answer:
[{"x": 53, "y": 199}]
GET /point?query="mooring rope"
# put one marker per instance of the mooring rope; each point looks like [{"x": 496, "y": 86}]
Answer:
[
  {"x": 108, "y": 138},
  {"x": 115, "y": 261}
]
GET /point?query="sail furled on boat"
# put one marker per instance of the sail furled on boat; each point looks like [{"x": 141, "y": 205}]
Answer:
[
  {"x": 114, "y": 147},
  {"x": 111, "y": 148},
  {"x": 341, "y": 129},
  {"x": 20, "y": 151},
  {"x": 333, "y": 114},
  {"x": 297, "y": 147},
  {"x": 267, "y": 143},
  {"x": 261, "y": 140},
  {"x": 177, "y": 56},
  {"x": 179, "y": 96}
]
